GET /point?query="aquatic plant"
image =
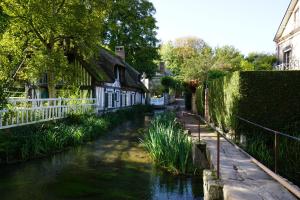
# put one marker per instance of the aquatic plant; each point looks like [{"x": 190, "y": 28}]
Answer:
[{"x": 167, "y": 144}]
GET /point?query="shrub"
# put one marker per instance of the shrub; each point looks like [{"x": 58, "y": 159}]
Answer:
[{"x": 39, "y": 140}]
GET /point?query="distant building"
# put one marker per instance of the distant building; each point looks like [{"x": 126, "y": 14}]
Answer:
[
  {"x": 155, "y": 82},
  {"x": 288, "y": 39}
]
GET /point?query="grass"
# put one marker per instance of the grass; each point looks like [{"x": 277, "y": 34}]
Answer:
[
  {"x": 167, "y": 144},
  {"x": 39, "y": 140}
]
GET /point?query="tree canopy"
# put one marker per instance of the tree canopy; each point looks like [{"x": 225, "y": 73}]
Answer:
[
  {"x": 191, "y": 59},
  {"x": 180, "y": 54},
  {"x": 41, "y": 33},
  {"x": 227, "y": 58},
  {"x": 3, "y": 21},
  {"x": 131, "y": 23},
  {"x": 261, "y": 61}
]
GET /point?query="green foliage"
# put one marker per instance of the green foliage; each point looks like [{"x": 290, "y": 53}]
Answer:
[
  {"x": 215, "y": 74},
  {"x": 259, "y": 61},
  {"x": 167, "y": 144},
  {"x": 131, "y": 23},
  {"x": 265, "y": 97},
  {"x": 4, "y": 20},
  {"x": 41, "y": 33},
  {"x": 200, "y": 99},
  {"x": 227, "y": 58},
  {"x": 39, "y": 140},
  {"x": 197, "y": 67},
  {"x": 171, "y": 83},
  {"x": 224, "y": 96},
  {"x": 185, "y": 55}
]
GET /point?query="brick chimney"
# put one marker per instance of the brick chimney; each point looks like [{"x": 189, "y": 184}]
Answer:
[
  {"x": 162, "y": 67},
  {"x": 120, "y": 51}
]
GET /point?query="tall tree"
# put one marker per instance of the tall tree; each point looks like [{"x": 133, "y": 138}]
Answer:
[
  {"x": 41, "y": 32},
  {"x": 131, "y": 23},
  {"x": 197, "y": 67},
  {"x": 227, "y": 58},
  {"x": 183, "y": 53}
]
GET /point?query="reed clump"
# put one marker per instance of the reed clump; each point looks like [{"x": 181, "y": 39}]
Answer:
[{"x": 167, "y": 144}]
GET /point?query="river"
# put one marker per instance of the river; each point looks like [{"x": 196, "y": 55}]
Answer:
[{"x": 115, "y": 166}]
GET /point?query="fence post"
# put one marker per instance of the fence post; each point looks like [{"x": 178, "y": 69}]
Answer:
[
  {"x": 0, "y": 118},
  {"x": 199, "y": 131},
  {"x": 276, "y": 151},
  {"x": 218, "y": 155}
]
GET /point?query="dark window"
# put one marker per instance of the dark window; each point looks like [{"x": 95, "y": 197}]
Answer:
[
  {"x": 106, "y": 100},
  {"x": 287, "y": 58}
]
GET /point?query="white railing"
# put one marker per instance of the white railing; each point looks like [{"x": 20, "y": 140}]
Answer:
[
  {"x": 157, "y": 101},
  {"x": 21, "y": 111},
  {"x": 29, "y": 111},
  {"x": 293, "y": 65}
]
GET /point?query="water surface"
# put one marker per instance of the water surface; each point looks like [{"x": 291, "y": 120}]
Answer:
[{"x": 115, "y": 166}]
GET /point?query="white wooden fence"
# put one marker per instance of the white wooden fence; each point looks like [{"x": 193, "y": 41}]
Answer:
[
  {"x": 21, "y": 111},
  {"x": 30, "y": 111}
]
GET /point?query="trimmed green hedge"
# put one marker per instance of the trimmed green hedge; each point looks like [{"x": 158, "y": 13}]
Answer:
[
  {"x": 42, "y": 139},
  {"x": 269, "y": 98}
]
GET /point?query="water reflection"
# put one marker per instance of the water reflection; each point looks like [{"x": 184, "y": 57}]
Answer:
[{"x": 113, "y": 167}]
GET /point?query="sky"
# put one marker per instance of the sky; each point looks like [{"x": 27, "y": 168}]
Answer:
[{"x": 248, "y": 25}]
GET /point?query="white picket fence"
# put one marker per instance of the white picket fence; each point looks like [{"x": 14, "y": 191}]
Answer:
[{"x": 30, "y": 111}]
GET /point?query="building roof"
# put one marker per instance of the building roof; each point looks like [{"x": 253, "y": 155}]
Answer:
[
  {"x": 102, "y": 69},
  {"x": 285, "y": 19}
]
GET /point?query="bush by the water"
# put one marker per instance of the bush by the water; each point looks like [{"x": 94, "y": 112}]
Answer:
[
  {"x": 167, "y": 144},
  {"x": 38, "y": 140}
]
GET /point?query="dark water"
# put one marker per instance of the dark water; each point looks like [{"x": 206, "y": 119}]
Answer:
[{"x": 113, "y": 167}]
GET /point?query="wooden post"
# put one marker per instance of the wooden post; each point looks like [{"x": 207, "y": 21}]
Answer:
[
  {"x": 218, "y": 156},
  {"x": 0, "y": 118},
  {"x": 206, "y": 106},
  {"x": 199, "y": 131},
  {"x": 276, "y": 151}
]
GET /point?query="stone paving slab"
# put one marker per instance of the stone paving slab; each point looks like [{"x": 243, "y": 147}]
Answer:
[{"x": 242, "y": 179}]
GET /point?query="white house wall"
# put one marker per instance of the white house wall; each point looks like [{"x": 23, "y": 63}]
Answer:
[
  {"x": 290, "y": 38},
  {"x": 117, "y": 98},
  {"x": 294, "y": 43}
]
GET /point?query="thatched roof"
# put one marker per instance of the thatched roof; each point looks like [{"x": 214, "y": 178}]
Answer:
[{"x": 102, "y": 69}]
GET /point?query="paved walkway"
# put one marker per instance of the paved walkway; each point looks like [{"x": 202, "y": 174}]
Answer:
[{"x": 242, "y": 179}]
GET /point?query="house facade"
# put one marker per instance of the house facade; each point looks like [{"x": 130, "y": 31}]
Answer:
[
  {"x": 107, "y": 78},
  {"x": 287, "y": 39}
]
